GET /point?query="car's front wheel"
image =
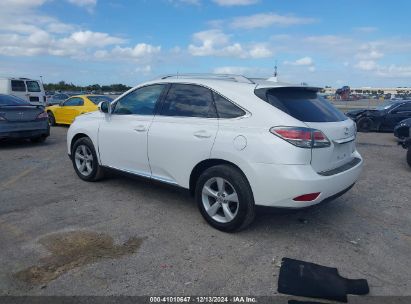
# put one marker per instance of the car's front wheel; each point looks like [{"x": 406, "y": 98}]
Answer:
[
  {"x": 409, "y": 156},
  {"x": 364, "y": 124},
  {"x": 225, "y": 199},
  {"x": 85, "y": 160}
]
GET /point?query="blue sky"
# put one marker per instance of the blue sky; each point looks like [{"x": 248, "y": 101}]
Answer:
[{"x": 352, "y": 42}]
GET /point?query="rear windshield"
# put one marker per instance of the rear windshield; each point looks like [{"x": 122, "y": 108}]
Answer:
[
  {"x": 97, "y": 99},
  {"x": 301, "y": 103},
  {"x": 8, "y": 100}
]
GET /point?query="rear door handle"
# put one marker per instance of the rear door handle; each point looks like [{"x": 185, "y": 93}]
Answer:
[
  {"x": 202, "y": 134},
  {"x": 140, "y": 128}
]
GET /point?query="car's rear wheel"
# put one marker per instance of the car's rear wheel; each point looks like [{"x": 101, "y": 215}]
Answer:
[
  {"x": 85, "y": 160},
  {"x": 364, "y": 125},
  {"x": 225, "y": 199},
  {"x": 52, "y": 119},
  {"x": 409, "y": 156}
]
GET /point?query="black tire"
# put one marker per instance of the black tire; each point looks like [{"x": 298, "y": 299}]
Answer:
[
  {"x": 52, "y": 119},
  {"x": 409, "y": 156},
  {"x": 39, "y": 139},
  {"x": 246, "y": 208},
  {"x": 97, "y": 171},
  {"x": 364, "y": 124}
]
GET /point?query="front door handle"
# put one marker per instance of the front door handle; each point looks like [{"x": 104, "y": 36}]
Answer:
[
  {"x": 202, "y": 134},
  {"x": 140, "y": 128}
]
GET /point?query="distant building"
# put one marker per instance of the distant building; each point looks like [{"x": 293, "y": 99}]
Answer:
[{"x": 373, "y": 91}]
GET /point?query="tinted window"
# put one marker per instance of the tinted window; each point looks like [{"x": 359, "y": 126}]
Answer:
[
  {"x": 97, "y": 99},
  {"x": 189, "y": 101},
  {"x": 225, "y": 108},
  {"x": 18, "y": 86},
  {"x": 75, "y": 101},
  {"x": 8, "y": 100},
  {"x": 303, "y": 104},
  {"x": 33, "y": 86},
  {"x": 141, "y": 101},
  {"x": 404, "y": 108}
]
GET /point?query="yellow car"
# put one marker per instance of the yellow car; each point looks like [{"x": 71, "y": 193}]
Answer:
[{"x": 66, "y": 111}]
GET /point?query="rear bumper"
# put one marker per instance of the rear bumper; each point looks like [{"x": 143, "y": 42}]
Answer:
[
  {"x": 277, "y": 185},
  {"x": 24, "y": 129}
]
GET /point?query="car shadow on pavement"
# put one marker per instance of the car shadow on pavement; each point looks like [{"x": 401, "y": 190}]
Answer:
[
  {"x": 9, "y": 144},
  {"x": 267, "y": 218}
]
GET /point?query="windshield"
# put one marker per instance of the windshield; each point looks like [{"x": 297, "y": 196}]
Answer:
[
  {"x": 303, "y": 104},
  {"x": 9, "y": 100},
  {"x": 385, "y": 106},
  {"x": 97, "y": 99}
]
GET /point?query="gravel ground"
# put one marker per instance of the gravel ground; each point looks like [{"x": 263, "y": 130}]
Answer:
[{"x": 127, "y": 236}]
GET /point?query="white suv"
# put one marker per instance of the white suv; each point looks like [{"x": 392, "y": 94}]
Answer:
[{"x": 234, "y": 142}]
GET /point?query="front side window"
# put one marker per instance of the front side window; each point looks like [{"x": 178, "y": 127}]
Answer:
[
  {"x": 33, "y": 86},
  {"x": 226, "y": 109},
  {"x": 189, "y": 101},
  {"x": 139, "y": 102},
  {"x": 18, "y": 86},
  {"x": 73, "y": 102},
  {"x": 406, "y": 107}
]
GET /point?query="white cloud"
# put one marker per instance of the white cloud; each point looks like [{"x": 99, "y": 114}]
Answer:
[
  {"x": 366, "y": 29},
  {"x": 366, "y": 65},
  {"x": 390, "y": 71},
  {"x": 235, "y": 2},
  {"x": 260, "y": 51},
  {"x": 268, "y": 19},
  {"x": 189, "y": 2},
  {"x": 91, "y": 39},
  {"x": 241, "y": 70},
  {"x": 88, "y": 4},
  {"x": 140, "y": 52},
  {"x": 328, "y": 40},
  {"x": 302, "y": 61},
  {"x": 216, "y": 43}
]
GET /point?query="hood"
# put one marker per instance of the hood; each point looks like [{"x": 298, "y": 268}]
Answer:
[{"x": 355, "y": 112}]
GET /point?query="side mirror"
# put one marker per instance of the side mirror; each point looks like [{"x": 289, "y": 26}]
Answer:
[{"x": 104, "y": 107}]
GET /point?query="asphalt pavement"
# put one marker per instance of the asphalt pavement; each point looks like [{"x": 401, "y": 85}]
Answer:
[{"x": 129, "y": 236}]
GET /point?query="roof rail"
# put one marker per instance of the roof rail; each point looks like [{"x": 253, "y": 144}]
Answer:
[{"x": 228, "y": 77}]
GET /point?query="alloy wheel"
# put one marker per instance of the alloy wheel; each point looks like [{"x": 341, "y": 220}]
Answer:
[
  {"x": 84, "y": 160},
  {"x": 220, "y": 200}
]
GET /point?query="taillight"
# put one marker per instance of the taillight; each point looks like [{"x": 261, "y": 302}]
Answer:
[
  {"x": 302, "y": 137},
  {"x": 42, "y": 115}
]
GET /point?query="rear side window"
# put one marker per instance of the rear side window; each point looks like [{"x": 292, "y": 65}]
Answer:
[
  {"x": 302, "y": 104},
  {"x": 33, "y": 86},
  {"x": 75, "y": 101},
  {"x": 188, "y": 100},
  {"x": 18, "y": 86},
  {"x": 226, "y": 109}
]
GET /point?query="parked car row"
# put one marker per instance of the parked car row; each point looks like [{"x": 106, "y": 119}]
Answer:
[
  {"x": 20, "y": 119},
  {"x": 394, "y": 116},
  {"x": 29, "y": 90},
  {"x": 235, "y": 143}
]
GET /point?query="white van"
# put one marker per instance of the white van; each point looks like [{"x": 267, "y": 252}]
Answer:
[{"x": 27, "y": 89}]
